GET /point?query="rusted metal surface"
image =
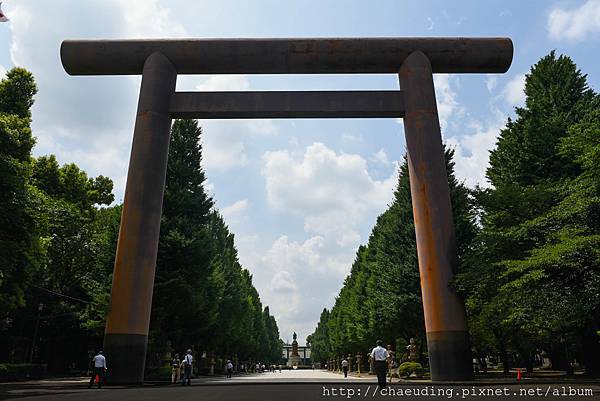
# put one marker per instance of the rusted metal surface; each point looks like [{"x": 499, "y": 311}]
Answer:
[
  {"x": 436, "y": 248},
  {"x": 287, "y": 56},
  {"x": 297, "y": 104},
  {"x": 133, "y": 278}
]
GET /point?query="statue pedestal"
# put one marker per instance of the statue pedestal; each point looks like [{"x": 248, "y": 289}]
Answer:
[{"x": 294, "y": 361}]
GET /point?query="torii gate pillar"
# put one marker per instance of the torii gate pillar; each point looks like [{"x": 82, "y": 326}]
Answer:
[
  {"x": 127, "y": 324},
  {"x": 445, "y": 319}
]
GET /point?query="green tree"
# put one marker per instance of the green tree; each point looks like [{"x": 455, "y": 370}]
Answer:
[
  {"x": 183, "y": 270},
  {"x": 539, "y": 227},
  {"x": 17, "y": 227}
]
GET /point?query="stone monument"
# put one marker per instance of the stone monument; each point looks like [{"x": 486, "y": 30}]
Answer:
[
  {"x": 295, "y": 359},
  {"x": 413, "y": 353}
]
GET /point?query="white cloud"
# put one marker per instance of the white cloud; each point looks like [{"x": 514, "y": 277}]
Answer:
[
  {"x": 491, "y": 82},
  {"x": 431, "y": 23},
  {"x": 352, "y": 139},
  {"x": 514, "y": 92},
  {"x": 575, "y": 24},
  {"x": 381, "y": 157},
  {"x": 472, "y": 150},
  {"x": 446, "y": 98},
  {"x": 147, "y": 19},
  {"x": 2, "y": 71},
  {"x": 296, "y": 279},
  {"x": 330, "y": 191},
  {"x": 283, "y": 283},
  {"x": 235, "y": 210}
]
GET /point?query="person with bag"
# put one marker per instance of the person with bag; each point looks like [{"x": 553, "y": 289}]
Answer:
[
  {"x": 99, "y": 369},
  {"x": 187, "y": 368}
]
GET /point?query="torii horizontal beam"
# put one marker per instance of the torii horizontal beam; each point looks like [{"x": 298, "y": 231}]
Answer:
[
  {"x": 294, "y": 104},
  {"x": 287, "y": 56}
]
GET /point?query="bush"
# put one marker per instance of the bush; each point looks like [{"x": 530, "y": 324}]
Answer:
[
  {"x": 162, "y": 373},
  {"x": 21, "y": 371},
  {"x": 408, "y": 368}
]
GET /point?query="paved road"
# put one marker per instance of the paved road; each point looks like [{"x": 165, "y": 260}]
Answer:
[
  {"x": 300, "y": 375},
  {"x": 299, "y": 386}
]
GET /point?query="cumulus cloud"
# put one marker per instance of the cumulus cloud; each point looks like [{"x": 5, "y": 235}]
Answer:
[
  {"x": 381, "y": 157},
  {"x": 86, "y": 120},
  {"x": 148, "y": 19},
  {"x": 330, "y": 191},
  {"x": 514, "y": 92},
  {"x": 296, "y": 278},
  {"x": 334, "y": 195},
  {"x": 234, "y": 210},
  {"x": 446, "y": 97},
  {"x": 472, "y": 150},
  {"x": 575, "y": 24}
]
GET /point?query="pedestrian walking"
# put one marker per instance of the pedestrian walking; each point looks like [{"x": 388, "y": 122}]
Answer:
[
  {"x": 379, "y": 356},
  {"x": 345, "y": 367},
  {"x": 279, "y": 368},
  {"x": 175, "y": 369},
  {"x": 99, "y": 370},
  {"x": 187, "y": 362},
  {"x": 229, "y": 369}
]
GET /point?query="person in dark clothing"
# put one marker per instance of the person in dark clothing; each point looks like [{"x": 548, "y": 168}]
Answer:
[{"x": 175, "y": 369}]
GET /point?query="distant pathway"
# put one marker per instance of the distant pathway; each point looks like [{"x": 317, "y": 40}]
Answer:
[{"x": 300, "y": 375}]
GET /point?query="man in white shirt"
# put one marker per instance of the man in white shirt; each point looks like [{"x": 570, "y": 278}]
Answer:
[
  {"x": 380, "y": 355},
  {"x": 99, "y": 369},
  {"x": 229, "y": 369},
  {"x": 187, "y": 362},
  {"x": 345, "y": 367}
]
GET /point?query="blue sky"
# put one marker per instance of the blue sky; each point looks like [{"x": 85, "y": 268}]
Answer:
[{"x": 300, "y": 195}]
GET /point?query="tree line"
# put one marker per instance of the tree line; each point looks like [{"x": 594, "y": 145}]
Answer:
[
  {"x": 528, "y": 246},
  {"x": 58, "y": 234}
]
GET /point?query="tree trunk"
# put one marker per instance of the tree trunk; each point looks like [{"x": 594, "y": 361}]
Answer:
[
  {"x": 529, "y": 362},
  {"x": 558, "y": 357},
  {"x": 591, "y": 354}
]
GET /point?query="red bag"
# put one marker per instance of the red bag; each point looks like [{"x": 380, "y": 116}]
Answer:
[{"x": 97, "y": 379}]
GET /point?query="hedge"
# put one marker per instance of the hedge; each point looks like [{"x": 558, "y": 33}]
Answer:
[
  {"x": 408, "y": 368},
  {"x": 21, "y": 371}
]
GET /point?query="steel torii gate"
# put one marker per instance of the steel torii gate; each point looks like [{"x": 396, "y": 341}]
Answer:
[{"x": 159, "y": 62}]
